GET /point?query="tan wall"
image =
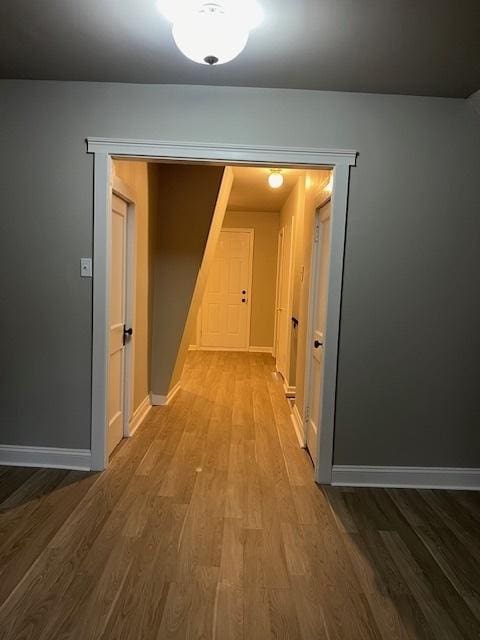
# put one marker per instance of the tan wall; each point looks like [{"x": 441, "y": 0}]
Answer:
[
  {"x": 265, "y": 226},
  {"x": 136, "y": 175},
  {"x": 315, "y": 195},
  {"x": 186, "y": 202}
]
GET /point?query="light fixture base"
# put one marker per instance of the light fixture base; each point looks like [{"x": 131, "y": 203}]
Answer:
[{"x": 211, "y": 60}]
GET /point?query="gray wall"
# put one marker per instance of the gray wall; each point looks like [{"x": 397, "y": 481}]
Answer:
[
  {"x": 410, "y": 345},
  {"x": 187, "y": 196}
]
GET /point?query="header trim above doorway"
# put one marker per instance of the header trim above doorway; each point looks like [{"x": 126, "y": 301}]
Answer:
[{"x": 301, "y": 156}]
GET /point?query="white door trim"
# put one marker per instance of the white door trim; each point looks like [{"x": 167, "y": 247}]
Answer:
[
  {"x": 224, "y": 153},
  {"x": 104, "y": 149}
]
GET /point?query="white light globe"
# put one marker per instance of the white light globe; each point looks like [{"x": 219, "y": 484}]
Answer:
[
  {"x": 275, "y": 180},
  {"x": 210, "y": 36}
]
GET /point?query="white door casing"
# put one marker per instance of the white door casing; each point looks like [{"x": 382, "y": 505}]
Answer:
[
  {"x": 226, "y": 305},
  {"x": 106, "y": 148},
  {"x": 317, "y": 328}
]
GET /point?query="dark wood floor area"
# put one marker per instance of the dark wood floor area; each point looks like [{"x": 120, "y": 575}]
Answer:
[{"x": 207, "y": 524}]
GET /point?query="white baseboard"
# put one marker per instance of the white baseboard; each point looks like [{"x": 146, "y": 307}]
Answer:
[
  {"x": 202, "y": 348},
  {"x": 261, "y": 350},
  {"x": 405, "y": 477},
  {"x": 194, "y": 347},
  {"x": 139, "y": 415},
  {"x": 49, "y": 457},
  {"x": 159, "y": 401},
  {"x": 289, "y": 390},
  {"x": 298, "y": 425},
  {"x": 173, "y": 392}
]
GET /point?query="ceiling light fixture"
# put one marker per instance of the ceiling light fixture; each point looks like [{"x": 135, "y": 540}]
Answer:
[
  {"x": 212, "y": 32},
  {"x": 275, "y": 179}
]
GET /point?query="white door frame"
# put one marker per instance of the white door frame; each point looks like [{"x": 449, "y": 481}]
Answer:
[
  {"x": 123, "y": 191},
  {"x": 104, "y": 149},
  {"x": 312, "y": 300},
  {"x": 251, "y": 240}
]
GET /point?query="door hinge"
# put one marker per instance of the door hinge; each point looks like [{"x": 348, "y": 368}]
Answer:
[
  {"x": 307, "y": 414},
  {"x": 317, "y": 233}
]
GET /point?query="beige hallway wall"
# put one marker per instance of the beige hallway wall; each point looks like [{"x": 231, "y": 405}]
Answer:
[
  {"x": 265, "y": 226},
  {"x": 136, "y": 175}
]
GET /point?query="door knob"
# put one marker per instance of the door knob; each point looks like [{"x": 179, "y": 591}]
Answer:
[
  {"x": 317, "y": 344},
  {"x": 127, "y": 332},
  {"x": 244, "y": 291},
  {"x": 244, "y": 299}
]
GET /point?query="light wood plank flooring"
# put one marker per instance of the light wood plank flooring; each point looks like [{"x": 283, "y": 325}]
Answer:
[{"x": 207, "y": 524}]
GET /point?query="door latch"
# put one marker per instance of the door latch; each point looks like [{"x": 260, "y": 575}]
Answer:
[{"x": 126, "y": 332}]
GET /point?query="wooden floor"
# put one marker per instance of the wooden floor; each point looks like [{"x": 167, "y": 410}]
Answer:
[{"x": 207, "y": 524}]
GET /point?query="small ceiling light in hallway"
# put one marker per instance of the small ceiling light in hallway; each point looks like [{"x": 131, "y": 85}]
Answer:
[
  {"x": 212, "y": 32},
  {"x": 275, "y": 179}
]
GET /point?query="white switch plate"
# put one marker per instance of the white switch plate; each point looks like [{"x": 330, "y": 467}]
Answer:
[{"x": 86, "y": 267}]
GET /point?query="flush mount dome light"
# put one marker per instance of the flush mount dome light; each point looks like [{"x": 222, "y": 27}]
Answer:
[
  {"x": 211, "y": 32},
  {"x": 275, "y": 179}
]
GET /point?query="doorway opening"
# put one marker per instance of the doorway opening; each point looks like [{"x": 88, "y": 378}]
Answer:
[{"x": 225, "y": 311}]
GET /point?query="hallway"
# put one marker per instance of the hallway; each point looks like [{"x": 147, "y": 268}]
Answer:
[{"x": 207, "y": 524}]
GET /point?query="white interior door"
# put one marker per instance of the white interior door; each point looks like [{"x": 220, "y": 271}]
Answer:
[
  {"x": 276, "y": 340},
  {"x": 285, "y": 240},
  {"x": 225, "y": 314},
  {"x": 319, "y": 299},
  {"x": 280, "y": 347},
  {"x": 118, "y": 295}
]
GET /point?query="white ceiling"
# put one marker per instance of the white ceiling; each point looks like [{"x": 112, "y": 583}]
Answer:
[
  {"x": 251, "y": 192},
  {"x": 423, "y": 47}
]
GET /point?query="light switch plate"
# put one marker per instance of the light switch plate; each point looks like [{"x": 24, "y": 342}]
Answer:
[{"x": 86, "y": 267}]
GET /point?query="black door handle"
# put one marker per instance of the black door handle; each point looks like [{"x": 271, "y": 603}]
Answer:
[
  {"x": 126, "y": 332},
  {"x": 317, "y": 344}
]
